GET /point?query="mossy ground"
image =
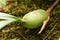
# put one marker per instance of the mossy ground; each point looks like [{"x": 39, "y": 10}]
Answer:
[{"x": 19, "y": 8}]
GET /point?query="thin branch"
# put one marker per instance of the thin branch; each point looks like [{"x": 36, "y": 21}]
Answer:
[
  {"x": 52, "y": 6},
  {"x": 46, "y": 21},
  {"x": 44, "y": 24}
]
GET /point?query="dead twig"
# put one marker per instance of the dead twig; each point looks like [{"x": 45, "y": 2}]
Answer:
[{"x": 46, "y": 21}]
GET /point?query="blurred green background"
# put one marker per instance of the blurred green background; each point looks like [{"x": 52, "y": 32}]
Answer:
[{"x": 18, "y": 8}]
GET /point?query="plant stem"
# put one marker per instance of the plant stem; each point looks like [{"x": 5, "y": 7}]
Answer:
[
  {"x": 52, "y": 6},
  {"x": 49, "y": 11}
]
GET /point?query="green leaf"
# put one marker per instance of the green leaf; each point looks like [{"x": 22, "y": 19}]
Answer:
[{"x": 5, "y": 19}]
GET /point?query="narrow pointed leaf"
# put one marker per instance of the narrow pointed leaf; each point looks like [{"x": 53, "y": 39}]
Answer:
[
  {"x": 6, "y": 22},
  {"x": 5, "y": 19}
]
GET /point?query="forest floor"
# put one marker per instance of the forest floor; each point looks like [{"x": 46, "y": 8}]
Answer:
[{"x": 19, "y": 8}]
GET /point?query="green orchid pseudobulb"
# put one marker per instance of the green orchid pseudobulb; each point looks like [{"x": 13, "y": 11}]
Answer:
[
  {"x": 31, "y": 20},
  {"x": 35, "y": 18}
]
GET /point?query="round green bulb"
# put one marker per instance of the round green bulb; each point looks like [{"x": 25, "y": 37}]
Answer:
[{"x": 34, "y": 19}]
